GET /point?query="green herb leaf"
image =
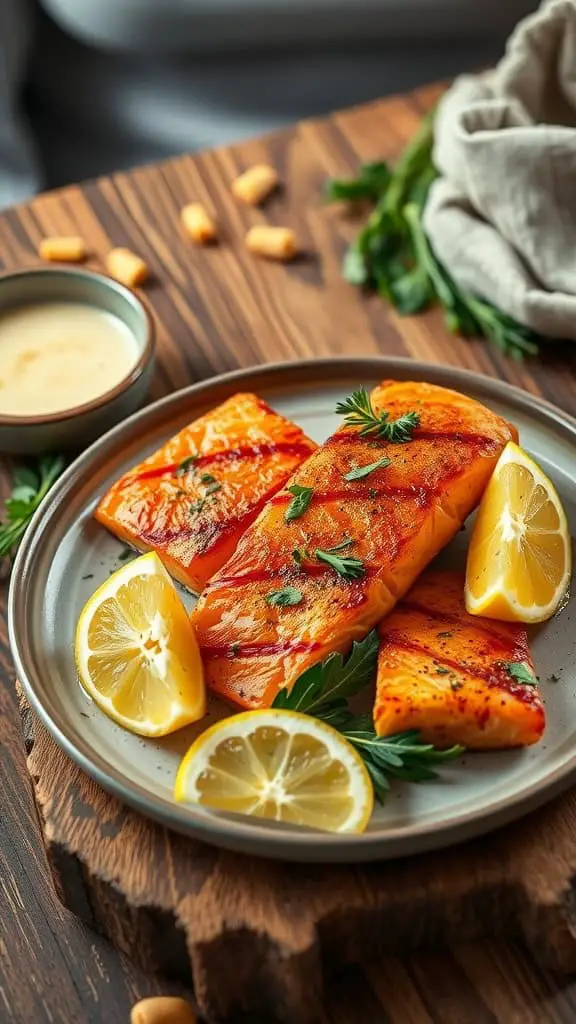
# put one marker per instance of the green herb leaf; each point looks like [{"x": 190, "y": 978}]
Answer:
[
  {"x": 207, "y": 478},
  {"x": 399, "y": 431},
  {"x": 299, "y": 503},
  {"x": 349, "y": 568},
  {"x": 518, "y": 671},
  {"x": 334, "y": 679},
  {"x": 22, "y": 493},
  {"x": 371, "y": 181},
  {"x": 361, "y": 471},
  {"x": 284, "y": 598},
  {"x": 412, "y": 292},
  {"x": 25, "y": 477},
  {"x": 300, "y": 555},
  {"x": 358, "y": 411},
  {"x": 30, "y": 487},
  {"x": 441, "y": 671},
  {"x": 402, "y": 756},
  {"x": 354, "y": 269},
  {"x": 185, "y": 465},
  {"x": 197, "y": 506},
  {"x": 213, "y": 488}
]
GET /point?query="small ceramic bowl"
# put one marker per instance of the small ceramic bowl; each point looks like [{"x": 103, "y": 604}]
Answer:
[{"x": 77, "y": 427}]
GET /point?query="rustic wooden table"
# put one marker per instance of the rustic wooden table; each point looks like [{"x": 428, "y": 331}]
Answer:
[{"x": 218, "y": 309}]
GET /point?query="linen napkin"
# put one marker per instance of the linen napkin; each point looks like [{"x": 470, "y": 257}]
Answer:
[{"x": 502, "y": 216}]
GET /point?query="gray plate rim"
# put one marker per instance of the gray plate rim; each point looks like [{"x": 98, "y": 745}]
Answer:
[{"x": 229, "y": 832}]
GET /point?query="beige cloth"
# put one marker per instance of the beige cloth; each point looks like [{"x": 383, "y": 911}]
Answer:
[{"x": 502, "y": 216}]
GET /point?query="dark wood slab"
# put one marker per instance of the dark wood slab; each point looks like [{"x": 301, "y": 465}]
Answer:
[{"x": 263, "y": 941}]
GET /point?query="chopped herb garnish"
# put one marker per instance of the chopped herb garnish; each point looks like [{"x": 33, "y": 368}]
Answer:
[
  {"x": 300, "y": 501},
  {"x": 455, "y": 685},
  {"x": 197, "y": 506},
  {"x": 445, "y": 633},
  {"x": 186, "y": 464},
  {"x": 126, "y": 553},
  {"x": 235, "y": 649},
  {"x": 349, "y": 568},
  {"x": 441, "y": 671},
  {"x": 285, "y": 597},
  {"x": 207, "y": 478},
  {"x": 373, "y": 493},
  {"x": 300, "y": 555},
  {"x": 362, "y": 471},
  {"x": 358, "y": 412},
  {"x": 518, "y": 671},
  {"x": 88, "y": 576},
  {"x": 213, "y": 488}
]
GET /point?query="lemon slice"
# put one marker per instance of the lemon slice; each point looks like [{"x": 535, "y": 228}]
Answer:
[
  {"x": 519, "y": 560},
  {"x": 136, "y": 651},
  {"x": 280, "y": 765}
]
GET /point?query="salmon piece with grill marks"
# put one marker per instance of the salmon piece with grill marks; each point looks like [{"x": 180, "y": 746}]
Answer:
[
  {"x": 398, "y": 518},
  {"x": 447, "y": 673},
  {"x": 192, "y": 500}
]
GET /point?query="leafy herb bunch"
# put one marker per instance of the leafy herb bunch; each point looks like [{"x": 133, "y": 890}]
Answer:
[
  {"x": 29, "y": 487},
  {"x": 324, "y": 690},
  {"x": 392, "y": 255}
]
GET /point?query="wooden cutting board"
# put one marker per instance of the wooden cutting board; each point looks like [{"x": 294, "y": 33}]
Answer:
[{"x": 258, "y": 938}]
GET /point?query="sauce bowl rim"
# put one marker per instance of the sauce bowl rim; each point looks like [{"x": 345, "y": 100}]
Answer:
[{"x": 146, "y": 353}]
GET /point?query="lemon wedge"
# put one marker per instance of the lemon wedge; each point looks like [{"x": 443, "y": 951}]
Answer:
[
  {"x": 520, "y": 559},
  {"x": 136, "y": 651},
  {"x": 281, "y": 765}
]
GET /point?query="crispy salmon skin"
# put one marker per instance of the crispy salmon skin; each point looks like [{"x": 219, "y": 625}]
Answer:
[
  {"x": 447, "y": 673},
  {"x": 392, "y": 521},
  {"x": 191, "y": 500}
]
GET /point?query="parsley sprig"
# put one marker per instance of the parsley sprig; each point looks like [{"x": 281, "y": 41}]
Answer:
[
  {"x": 362, "y": 471},
  {"x": 30, "y": 486},
  {"x": 392, "y": 254},
  {"x": 349, "y": 568},
  {"x": 300, "y": 501},
  {"x": 519, "y": 672},
  {"x": 358, "y": 411},
  {"x": 285, "y": 597},
  {"x": 324, "y": 690}
]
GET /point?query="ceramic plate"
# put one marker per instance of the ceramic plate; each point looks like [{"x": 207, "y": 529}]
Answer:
[{"x": 66, "y": 555}]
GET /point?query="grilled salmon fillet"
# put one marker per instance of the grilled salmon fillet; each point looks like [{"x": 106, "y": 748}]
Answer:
[
  {"x": 191, "y": 500},
  {"x": 447, "y": 673},
  {"x": 396, "y": 519}
]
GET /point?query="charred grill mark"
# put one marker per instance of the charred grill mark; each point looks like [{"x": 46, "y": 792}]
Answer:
[
  {"x": 454, "y": 436},
  {"x": 420, "y": 434},
  {"x": 496, "y": 677},
  {"x": 295, "y": 449},
  {"x": 422, "y": 495},
  {"x": 461, "y": 621}
]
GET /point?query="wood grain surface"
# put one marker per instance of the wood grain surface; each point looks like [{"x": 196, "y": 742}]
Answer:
[{"x": 218, "y": 309}]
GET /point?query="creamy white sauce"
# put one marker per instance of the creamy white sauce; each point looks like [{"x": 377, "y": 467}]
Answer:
[{"x": 57, "y": 355}]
